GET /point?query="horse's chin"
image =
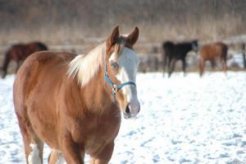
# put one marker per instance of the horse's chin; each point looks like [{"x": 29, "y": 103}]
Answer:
[
  {"x": 129, "y": 116},
  {"x": 126, "y": 116}
]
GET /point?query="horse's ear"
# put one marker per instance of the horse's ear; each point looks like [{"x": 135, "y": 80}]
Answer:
[
  {"x": 112, "y": 39},
  {"x": 133, "y": 37}
]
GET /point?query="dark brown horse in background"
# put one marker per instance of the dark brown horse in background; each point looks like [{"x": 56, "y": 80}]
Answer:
[
  {"x": 172, "y": 52},
  {"x": 212, "y": 52},
  {"x": 19, "y": 52}
]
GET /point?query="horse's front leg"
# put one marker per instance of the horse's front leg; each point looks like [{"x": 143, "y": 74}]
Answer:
[
  {"x": 164, "y": 64},
  {"x": 56, "y": 157},
  {"x": 201, "y": 66},
  {"x": 104, "y": 156},
  {"x": 71, "y": 150},
  {"x": 184, "y": 65},
  {"x": 171, "y": 67},
  {"x": 224, "y": 66},
  {"x": 18, "y": 63}
]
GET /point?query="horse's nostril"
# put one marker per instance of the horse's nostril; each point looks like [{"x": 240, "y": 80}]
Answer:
[{"x": 127, "y": 109}]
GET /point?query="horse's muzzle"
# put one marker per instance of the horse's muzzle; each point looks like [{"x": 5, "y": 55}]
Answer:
[{"x": 132, "y": 109}]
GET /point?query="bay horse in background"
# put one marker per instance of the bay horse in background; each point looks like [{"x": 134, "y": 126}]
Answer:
[
  {"x": 213, "y": 52},
  {"x": 74, "y": 103},
  {"x": 172, "y": 52},
  {"x": 19, "y": 52}
]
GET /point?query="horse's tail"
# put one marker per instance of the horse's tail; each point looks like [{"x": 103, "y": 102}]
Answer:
[
  {"x": 6, "y": 61},
  {"x": 167, "y": 49},
  {"x": 224, "y": 56},
  {"x": 225, "y": 51}
]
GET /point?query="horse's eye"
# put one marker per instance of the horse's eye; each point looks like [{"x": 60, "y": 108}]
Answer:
[{"x": 114, "y": 65}]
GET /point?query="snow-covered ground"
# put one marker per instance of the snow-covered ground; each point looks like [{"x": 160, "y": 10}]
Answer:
[{"x": 182, "y": 120}]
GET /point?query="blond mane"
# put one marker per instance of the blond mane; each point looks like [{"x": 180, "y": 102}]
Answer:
[{"x": 84, "y": 67}]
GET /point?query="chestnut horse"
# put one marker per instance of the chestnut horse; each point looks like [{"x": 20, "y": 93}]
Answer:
[
  {"x": 73, "y": 103},
  {"x": 19, "y": 52},
  {"x": 172, "y": 52},
  {"x": 212, "y": 52}
]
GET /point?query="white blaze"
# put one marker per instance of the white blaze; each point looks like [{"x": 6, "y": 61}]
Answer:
[{"x": 128, "y": 64}]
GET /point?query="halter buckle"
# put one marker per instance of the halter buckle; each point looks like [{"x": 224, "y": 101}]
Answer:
[{"x": 114, "y": 89}]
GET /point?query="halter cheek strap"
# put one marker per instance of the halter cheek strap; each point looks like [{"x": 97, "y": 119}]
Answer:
[{"x": 115, "y": 87}]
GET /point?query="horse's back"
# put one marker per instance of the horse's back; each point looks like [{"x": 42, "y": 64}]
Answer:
[
  {"x": 37, "y": 46},
  {"x": 213, "y": 50},
  {"x": 177, "y": 50},
  {"x": 182, "y": 48}
]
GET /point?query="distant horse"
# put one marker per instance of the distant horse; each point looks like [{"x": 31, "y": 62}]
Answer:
[
  {"x": 73, "y": 103},
  {"x": 176, "y": 51},
  {"x": 19, "y": 52},
  {"x": 212, "y": 52},
  {"x": 243, "y": 54}
]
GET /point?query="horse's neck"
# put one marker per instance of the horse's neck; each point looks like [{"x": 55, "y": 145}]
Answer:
[
  {"x": 188, "y": 47},
  {"x": 96, "y": 95},
  {"x": 88, "y": 75}
]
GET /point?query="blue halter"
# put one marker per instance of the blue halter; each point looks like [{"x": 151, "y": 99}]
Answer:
[{"x": 115, "y": 87}]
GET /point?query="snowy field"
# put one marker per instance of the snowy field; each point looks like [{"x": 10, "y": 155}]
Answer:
[{"x": 182, "y": 120}]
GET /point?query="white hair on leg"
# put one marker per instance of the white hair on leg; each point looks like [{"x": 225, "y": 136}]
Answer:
[
  {"x": 60, "y": 159},
  {"x": 34, "y": 157}
]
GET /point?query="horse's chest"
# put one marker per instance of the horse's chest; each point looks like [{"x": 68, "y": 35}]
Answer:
[
  {"x": 100, "y": 137},
  {"x": 95, "y": 130}
]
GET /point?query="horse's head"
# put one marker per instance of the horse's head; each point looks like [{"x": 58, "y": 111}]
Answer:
[
  {"x": 195, "y": 45},
  {"x": 121, "y": 69}
]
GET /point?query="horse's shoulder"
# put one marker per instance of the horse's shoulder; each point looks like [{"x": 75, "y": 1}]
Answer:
[{"x": 221, "y": 44}]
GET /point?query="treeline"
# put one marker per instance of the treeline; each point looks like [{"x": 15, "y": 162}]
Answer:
[{"x": 158, "y": 19}]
